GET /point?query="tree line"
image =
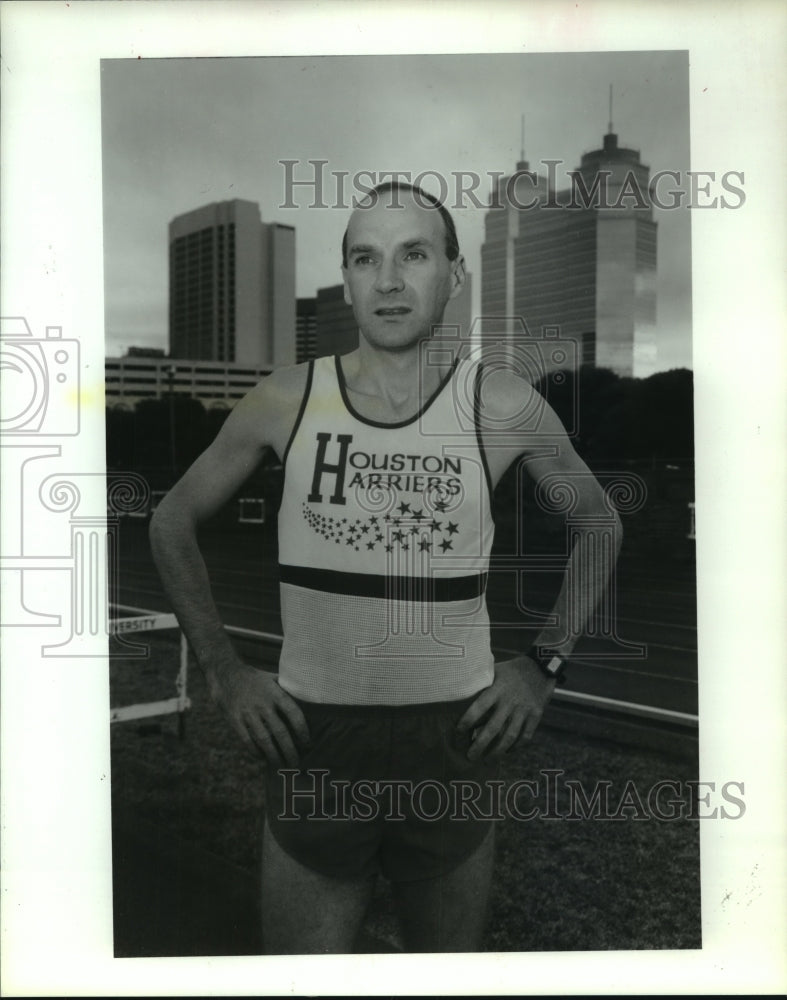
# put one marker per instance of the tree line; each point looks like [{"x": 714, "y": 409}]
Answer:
[
  {"x": 613, "y": 420},
  {"x": 644, "y": 427}
]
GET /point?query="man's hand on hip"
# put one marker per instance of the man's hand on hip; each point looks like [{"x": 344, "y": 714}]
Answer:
[
  {"x": 507, "y": 712},
  {"x": 266, "y": 718}
]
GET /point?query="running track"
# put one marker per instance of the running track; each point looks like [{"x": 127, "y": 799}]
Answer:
[{"x": 656, "y": 608}]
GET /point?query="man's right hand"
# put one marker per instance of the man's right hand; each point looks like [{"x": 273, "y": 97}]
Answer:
[{"x": 266, "y": 718}]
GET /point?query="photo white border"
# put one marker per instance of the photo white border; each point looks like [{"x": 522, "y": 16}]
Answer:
[{"x": 56, "y": 891}]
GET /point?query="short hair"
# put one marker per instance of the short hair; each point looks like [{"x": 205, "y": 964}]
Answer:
[{"x": 451, "y": 239}]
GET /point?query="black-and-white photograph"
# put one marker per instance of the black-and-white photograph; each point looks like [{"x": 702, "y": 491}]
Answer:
[
  {"x": 392, "y": 434},
  {"x": 399, "y": 361}
]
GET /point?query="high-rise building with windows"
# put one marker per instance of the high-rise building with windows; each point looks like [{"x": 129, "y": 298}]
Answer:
[
  {"x": 581, "y": 259},
  {"x": 336, "y": 329},
  {"x": 231, "y": 286},
  {"x": 305, "y": 329}
]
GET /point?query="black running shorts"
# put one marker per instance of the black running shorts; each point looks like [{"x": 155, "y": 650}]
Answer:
[{"x": 383, "y": 789}]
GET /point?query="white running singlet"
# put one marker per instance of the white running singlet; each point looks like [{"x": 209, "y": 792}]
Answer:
[{"x": 385, "y": 532}]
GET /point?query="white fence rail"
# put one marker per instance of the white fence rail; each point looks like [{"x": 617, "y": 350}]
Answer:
[{"x": 151, "y": 621}]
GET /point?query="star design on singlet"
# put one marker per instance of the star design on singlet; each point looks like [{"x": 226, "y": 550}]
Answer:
[{"x": 411, "y": 529}]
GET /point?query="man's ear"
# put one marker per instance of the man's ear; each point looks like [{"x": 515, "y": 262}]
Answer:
[
  {"x": 347, "y": 296},
  {"x": 457, "y": 276}
]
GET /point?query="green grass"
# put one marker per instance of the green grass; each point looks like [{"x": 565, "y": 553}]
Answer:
[{"x": 559, "y": 884}]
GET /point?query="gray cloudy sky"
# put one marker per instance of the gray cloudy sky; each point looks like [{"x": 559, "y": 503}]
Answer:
[{"x": 179, "y": 133}]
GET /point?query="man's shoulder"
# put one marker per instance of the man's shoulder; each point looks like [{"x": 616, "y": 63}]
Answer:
[
  {"x": 282, "y": 389},
  {"x": 288, "y": 378},
  {"x": 267, "y": 413},
  {"x": 507, "y": 397}
]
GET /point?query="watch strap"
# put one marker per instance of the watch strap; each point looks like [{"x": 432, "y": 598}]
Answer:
[{"x": 552, "y": 665}]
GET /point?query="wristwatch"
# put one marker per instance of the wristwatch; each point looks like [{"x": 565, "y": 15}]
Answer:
[{"x": 552, "y": 665}]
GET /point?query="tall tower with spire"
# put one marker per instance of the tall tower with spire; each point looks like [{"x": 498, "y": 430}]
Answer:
[
  {"x": 502, "y": 229},
  {"x": 582, "y": 259}
]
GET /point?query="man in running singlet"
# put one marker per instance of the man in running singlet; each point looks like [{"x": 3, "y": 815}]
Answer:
[{"x": 388, "y": 713}]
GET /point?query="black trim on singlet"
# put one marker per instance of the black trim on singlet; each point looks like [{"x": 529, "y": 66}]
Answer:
[
  {"x": 381, "y": 423},
  {"x": 301, "y": 410},
  {"x": 391, "y": 588},
  {"x": 479, "y": 438}
]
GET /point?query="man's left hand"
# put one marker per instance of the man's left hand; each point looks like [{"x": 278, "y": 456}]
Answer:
[{"x": 507, "y": 712}]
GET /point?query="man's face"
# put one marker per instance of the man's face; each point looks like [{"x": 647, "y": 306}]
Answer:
[{"x": 398, "y": 278}]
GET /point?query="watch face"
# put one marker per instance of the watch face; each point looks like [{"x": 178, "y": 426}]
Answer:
[{"x": 554, "y": 665}]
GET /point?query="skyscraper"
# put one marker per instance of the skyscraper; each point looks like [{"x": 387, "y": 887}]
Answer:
[
  {"x": 582, "y": 259},
  {"x": 336, "y": 328},
  {"x": 305, "y": 329},
  {"x": 231, "y": 286}
]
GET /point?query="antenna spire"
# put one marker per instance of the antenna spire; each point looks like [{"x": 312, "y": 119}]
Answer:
[
  {"x": 610, "y": 109},
  {"x": 522, "y": 142}
]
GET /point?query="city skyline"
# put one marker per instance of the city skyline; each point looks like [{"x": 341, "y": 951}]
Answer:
[
  {"x": 588, "y": 272},
  {"x": 215, "y": 130},
  {"x": 231, "y": 286}
]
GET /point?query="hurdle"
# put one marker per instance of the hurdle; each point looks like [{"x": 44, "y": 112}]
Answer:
[
  {"x": 251, "y": 510},
  {"x": 180, "y": 703}
]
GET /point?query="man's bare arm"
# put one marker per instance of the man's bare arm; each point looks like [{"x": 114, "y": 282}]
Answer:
[
  {"x": 261, "y": 712},
  {"x": 590, "y": 564},
  {"x": 512, "y": 706}
]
